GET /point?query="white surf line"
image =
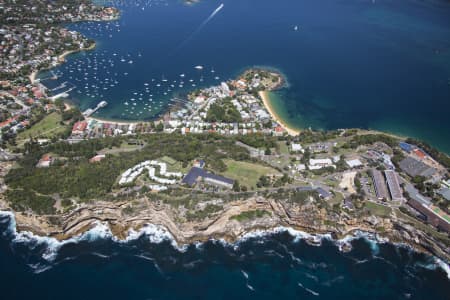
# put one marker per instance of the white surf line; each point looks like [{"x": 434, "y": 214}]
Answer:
[{"x": 308, "y": 290}]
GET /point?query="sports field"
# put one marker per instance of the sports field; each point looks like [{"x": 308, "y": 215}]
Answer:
[{"x": 247, "y": 173}]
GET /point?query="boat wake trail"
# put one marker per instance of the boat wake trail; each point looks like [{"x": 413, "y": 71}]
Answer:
[
  {"x": 199, "y": 28},
  {"x": 214, "y": 13}
]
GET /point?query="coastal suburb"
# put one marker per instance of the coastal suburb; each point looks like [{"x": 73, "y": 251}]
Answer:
[{"x": 219, "y": 164}]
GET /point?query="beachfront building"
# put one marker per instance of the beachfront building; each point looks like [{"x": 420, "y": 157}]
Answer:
[{"x": 79, "y": 128}]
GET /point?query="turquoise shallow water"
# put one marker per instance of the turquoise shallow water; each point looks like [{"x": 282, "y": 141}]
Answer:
[{"x": 371, "y": 64}]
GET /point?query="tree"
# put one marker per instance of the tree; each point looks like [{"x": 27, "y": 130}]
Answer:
[
  {"x": 264, "y": 181},
  {"x": 236, "y": 186},
  {"x": 159, "y": 127}
]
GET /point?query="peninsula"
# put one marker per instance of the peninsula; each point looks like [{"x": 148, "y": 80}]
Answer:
[{"x": 219, "y": 165}]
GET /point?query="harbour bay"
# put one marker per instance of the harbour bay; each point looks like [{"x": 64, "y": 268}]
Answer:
[
  {"x": 377, "y": 65},
  {"x": 179, "y": 164}
]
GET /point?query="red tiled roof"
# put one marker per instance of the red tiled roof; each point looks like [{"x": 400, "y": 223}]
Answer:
[
  {"x": 419, "y": 153},
  {"x": 46, "y": 157},
  {"x": 7, "y": 122},
  {"x": 96, "y": 158},
  {"x": 79, "y": 126}
]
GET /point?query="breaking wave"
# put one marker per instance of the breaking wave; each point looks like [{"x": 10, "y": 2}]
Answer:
[{"x": 155, "y": 234}]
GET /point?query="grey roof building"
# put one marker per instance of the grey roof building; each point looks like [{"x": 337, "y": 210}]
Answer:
[
  {"x": 414, "y": 167},
  {"x": 393, "y": 185},
  {"x": 324, "y": 194},
  {"x": 445, "y": 192},
  {"x": 380, "y": 186},
  {"x": 196, "y": 174}
]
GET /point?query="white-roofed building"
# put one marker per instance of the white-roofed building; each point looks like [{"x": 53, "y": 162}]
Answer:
[
  {"x": 296, "y": 147},
  {"x": 316, "y": 164},
  {"x": 354, "y": 163}
]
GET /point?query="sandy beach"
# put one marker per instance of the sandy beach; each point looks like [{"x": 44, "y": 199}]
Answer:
[
  {"x": 266, "y": 100},
  {"x": 101, "y": 120},
  {"x": 61, "y": 59},
  {"x": 63, "y": 56},
  {"x": 32, "y": 76}
]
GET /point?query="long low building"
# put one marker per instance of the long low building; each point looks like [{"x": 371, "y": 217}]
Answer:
[
  {"x": 432, "y": 217},
  {"x": 379, "y": 184},
  {"x": 196, "y": 174},
  {"x": 393, "y": 185}
]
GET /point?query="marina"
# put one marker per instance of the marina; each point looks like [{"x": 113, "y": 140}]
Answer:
[
  {"x": 153, "y": 144},
  {"x": 139, "y": 78}
]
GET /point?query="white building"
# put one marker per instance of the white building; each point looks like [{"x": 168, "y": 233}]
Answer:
[
  {"x": 296, "y": 147},
  {"x": 354, "y": 163},
  {"x": 131, "y": 174},
  {"x": 315, "y": 164}
]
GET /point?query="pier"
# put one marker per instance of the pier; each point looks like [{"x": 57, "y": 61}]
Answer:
[{"x": 88, "y": 112}]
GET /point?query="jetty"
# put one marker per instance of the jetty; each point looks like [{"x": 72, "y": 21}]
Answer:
[{"x": 88, "y": 112}]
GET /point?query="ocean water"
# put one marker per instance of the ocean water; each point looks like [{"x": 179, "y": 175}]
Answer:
[
  {"x": 149, "y": 265},
  {"x": 376, "y": 64}
]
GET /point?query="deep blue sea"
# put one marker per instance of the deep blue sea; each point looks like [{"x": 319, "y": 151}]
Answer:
[
  {"x": 377, "y": 64},
  {"x": 272, "y": 266},
  {"x": 349, "y": 63}
]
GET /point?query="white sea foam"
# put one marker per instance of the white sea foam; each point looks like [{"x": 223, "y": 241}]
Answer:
[
  {"x": 158, "y": 234},
  {"x": 155, "y": 234},
  {"x": 245, "y": 274},
  {"x": 313, "y": 277},
  {"x": 332, "y": 281},
  {"x": 12, "y": 221},
  {"x": 100, "y": 255},
  {"x": 308, "y": 290},
  {"x": 100, "y": 231},
  {"x": 443, "y": 265},
  {"x": 39, "y": 268}
]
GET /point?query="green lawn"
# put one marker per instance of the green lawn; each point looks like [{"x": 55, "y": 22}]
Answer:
[
  {"x": 168, "y": 160},
  {"x": 46, "y": 128},
  {"x": 246, "y": 173},
  {"x": 438, "y": 211},
  {"x": 124, "y": 147},
  {"x": 283, "y": 148},
  {"x": 174, "y": 165},
  {"x": 338, "y": 198},
  {"x": 331, "y": 183},
  {"x": 378, "y": 209}
]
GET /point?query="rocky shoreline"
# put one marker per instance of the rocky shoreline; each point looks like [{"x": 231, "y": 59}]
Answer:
[{"x": 222, "y": 227}]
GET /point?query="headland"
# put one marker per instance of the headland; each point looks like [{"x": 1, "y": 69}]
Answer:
[{"x": 219, "y": 167}]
